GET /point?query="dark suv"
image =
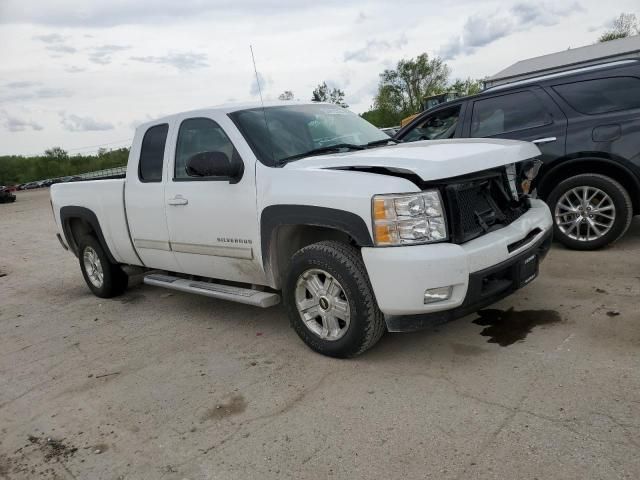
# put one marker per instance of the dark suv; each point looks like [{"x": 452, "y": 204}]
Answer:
[{"x": 586, "y": 123}]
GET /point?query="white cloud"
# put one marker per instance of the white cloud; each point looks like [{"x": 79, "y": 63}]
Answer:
[
  {"x": 481, "y": 29},
  {"x": 374, "y": 49},
  {"x": 75, "y": 123},
  {"x": 14, "y": 123},
  {"x": 59, "y": 48},
  {"x": 50, "y": 38},
  {"x": 181, "y": 61},
  {"x": 255, "y": 89},
  {"x": 103, "y": 53}
]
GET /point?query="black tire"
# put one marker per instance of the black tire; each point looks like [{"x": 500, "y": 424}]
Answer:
[
  {"x": 621, "y": 201},
  {"x": 345, "y": 264},
  {"x": 114, "y": 279}
]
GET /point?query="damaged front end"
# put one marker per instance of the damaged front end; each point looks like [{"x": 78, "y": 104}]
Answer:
[{"x": 486, "y": 201}]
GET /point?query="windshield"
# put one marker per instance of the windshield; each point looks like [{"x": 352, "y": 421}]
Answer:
[{"x": 295, "y": 130}]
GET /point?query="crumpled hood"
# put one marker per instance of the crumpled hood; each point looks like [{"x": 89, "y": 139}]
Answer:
[{"x": 429, "y": 159}]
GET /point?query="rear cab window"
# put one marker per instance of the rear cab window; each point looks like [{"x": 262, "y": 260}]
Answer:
[
  {"x": 152, "y": 153},
  {"x": 601, "y": 95},
  {"x": 507, "y": 113}
]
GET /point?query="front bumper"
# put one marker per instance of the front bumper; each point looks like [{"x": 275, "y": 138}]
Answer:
[{"x": 400, "y": 275}]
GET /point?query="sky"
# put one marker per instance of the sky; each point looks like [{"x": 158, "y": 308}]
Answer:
[{"x": 81, "y": 74}]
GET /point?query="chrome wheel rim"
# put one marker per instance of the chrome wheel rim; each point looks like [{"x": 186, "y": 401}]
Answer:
[
  {"x": 585, "y": 213},
  {"x": 93, "y": 267},
  {"x": 322, "y": 304}
]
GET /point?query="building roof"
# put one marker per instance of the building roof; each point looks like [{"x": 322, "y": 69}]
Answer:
[{"x": 622, "y": 48}]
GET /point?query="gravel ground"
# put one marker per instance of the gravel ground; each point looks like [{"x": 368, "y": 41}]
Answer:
[{"x": 165, "y": 385}]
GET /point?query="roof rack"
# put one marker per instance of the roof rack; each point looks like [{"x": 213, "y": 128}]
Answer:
[{"x": 564, "y": 73}]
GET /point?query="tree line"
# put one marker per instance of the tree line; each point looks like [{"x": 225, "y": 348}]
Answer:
[{"x": 56, "y": 163}]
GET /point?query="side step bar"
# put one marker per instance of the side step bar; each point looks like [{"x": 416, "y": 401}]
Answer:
[{"x": 214, "y": 290}]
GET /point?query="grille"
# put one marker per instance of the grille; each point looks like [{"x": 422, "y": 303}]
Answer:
[{"x": 480, "y": 206}]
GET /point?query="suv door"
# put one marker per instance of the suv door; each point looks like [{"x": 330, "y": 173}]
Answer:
[
  {"x": 445, "y": 122},
  {"x": 144, "y": 199},
  {"x": 213, "y": 224},
  {"x": 529, "y": 115}
]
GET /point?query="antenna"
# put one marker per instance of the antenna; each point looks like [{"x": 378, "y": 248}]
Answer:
[{"x": 264, "y": 113}]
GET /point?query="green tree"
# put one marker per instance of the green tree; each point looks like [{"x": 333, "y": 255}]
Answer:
[
  {"x": 57, "y": 153},
  {"x": 56, "y": 162},
  {"x": 286, "y": 95},
  {"x": 411, "y": 81},
  {"x": 625, "y": 25},
  {"x": 466, "y": 87},
  {"x": 322, "y": 93}
]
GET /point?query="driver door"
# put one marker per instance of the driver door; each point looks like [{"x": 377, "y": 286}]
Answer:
[{"x": 212, "y": 221}]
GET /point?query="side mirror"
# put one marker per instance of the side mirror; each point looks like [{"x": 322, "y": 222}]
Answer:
[{"x": 213, "y": 164}]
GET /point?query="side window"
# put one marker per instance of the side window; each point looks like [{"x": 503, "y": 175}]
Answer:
[
  {"x": 601, "y": 95},
  {"x": 437, "y": 126},
  {"x": 508, "y": 113},
  {"x": 197, "y": 135},
  {"x": 152, "y": 153}
]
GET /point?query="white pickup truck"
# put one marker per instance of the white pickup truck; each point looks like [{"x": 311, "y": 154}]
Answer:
[{"x": 309, "y": 202}]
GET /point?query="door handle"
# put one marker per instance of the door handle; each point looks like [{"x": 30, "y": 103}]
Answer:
[
  {"x": 178, "y": 200},
  {"x": 544, "y": 140}
]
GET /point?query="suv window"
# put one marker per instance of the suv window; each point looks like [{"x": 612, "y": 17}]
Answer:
[
  {"x": 508, "y": 113},
  {"x": 436, "y": 126},
  {"x": 197, "y": 135},
  {"x": 152, "y": 153},
  {"x": 601, "y": 95}
]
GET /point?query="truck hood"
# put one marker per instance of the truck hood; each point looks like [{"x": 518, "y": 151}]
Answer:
[{"x": 429, "y": 159}]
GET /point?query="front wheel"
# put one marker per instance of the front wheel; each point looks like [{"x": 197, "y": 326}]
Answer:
[
  {"x": 103, "y": 278},
  {"x": 330, "y": 300},
  {"x": 590, "y": 211}
]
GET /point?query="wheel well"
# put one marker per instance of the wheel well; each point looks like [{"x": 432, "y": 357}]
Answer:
[
  {"x": 78, "y": 227},
  {"x": 573, "y": 167},
  {"x": 288, "y": 239}
]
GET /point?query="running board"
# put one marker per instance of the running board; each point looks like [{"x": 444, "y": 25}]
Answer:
[{"x": 214, "y": 290}]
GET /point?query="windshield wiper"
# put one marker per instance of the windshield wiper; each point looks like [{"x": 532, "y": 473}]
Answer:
[
  {"x": 327, "y": 149},
  {"x": 382, "y": 141}
]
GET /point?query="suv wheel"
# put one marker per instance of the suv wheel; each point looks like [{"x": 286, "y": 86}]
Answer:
[
  {"x": 590, "y": 211},
  {"x": 330, "y": 300}
]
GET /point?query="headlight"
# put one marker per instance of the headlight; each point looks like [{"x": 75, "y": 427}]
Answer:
[{"x": 408, "y": 219}]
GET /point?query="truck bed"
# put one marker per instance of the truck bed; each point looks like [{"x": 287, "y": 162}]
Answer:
[{"x": 105, "y": 198}]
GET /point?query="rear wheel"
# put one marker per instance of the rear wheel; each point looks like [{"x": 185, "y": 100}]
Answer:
[
  {"x": 330, "y": 300},
  {"x": 103, "y": 278},
  {"x": 590, "y": 211}
]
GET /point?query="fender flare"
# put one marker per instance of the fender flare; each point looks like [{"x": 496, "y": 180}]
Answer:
[
  {"x": 617, "y": 163},
  {"x": 275, "y": 216},
  {"x": 70, "y": 212}
]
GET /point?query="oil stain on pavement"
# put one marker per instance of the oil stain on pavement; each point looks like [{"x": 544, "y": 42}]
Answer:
[
  {"x": 506, "y": 327},
  {"x": 236, "y": 405}
]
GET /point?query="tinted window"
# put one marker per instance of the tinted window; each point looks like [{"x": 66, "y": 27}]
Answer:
[
  {"x": 601, "y": 95},
  {"x": 152, "y": 154},
  {"x": 438, "y": 125},
  {"x": 508, "y": 113},
  {"x": 199, "y": 135}
]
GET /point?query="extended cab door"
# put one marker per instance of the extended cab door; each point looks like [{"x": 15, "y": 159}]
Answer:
[
  {"x": 213, "y": 221},
  {"x": 528, "y": 114},
  {"x": 144, "y": 198}
]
